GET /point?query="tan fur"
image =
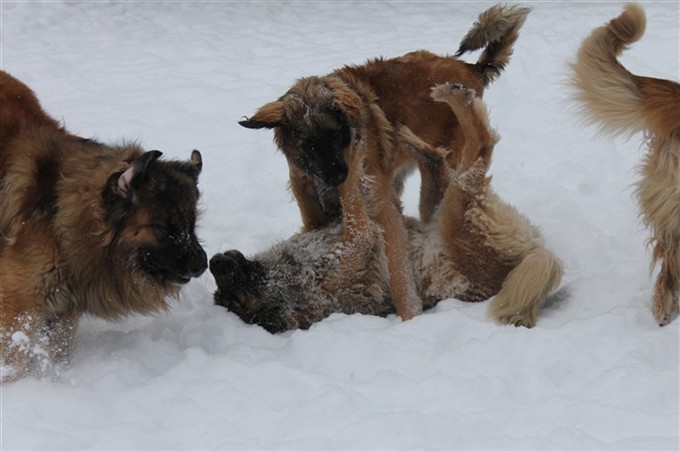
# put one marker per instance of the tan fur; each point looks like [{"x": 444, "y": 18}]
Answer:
[
  {"x": 59, "y": 256},
  {"x": 623, "y": 103},
  {"x": 472, "y": 248},
  {"x": 491, "y": 243},
  {"x": 378, "y": 97}
]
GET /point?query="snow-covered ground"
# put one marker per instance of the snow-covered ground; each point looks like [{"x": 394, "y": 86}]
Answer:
[{"x": 595, "y": 373}]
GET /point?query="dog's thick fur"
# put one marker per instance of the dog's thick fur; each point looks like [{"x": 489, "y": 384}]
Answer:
[
  {"x": 84, "y": 228},
  {"x": 624, "y": 103},
  {"x": 318, "y": 118},
  {"x": 472, "y": 247}
]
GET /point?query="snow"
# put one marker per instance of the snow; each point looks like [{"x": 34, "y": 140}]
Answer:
[{"x": 595, "y": 373}]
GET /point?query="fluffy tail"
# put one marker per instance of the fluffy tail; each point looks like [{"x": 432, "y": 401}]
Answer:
[
  {"x": 497, "y": 30},
  {"x": 608, "y": 93},
  {"x": 525, "y": 289},
  {"x": 619, "y": 101}
]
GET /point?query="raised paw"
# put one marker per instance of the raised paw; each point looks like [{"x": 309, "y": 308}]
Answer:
[
  {"x": 448, "y": 92},
  {"x": 233, "y": 271}
]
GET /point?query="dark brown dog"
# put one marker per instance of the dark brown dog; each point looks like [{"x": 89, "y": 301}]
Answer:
[
  {"x": 624, "y": 103},
  {"x": 318, "y": 118},
  {"x": 85, "y": 228},
  {"x": 473, "y": 247}
]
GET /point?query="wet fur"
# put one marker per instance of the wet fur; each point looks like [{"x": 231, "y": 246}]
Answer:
[
  {"x": 472, "y": 248},
  {"x": 317, "y": 119},
  {"x": 85, "y": 228},
  {"x": 624, "y": 103}
]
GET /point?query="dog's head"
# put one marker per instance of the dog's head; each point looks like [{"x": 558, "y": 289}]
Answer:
[
  {"x": 313, "y": 125},
  {"x": 151, "y": 208}
]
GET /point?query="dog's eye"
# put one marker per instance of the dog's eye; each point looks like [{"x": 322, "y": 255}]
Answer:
[{"x": 159, "y": 229}]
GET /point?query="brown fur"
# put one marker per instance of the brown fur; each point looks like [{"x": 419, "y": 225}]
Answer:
[
  {"x": 622, "y": 102},
  {"x": 472, "y": 248},
  {"x": 79, "y": 223},
  {"x": 372, "y": 101}
]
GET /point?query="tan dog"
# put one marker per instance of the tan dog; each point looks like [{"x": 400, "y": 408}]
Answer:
[
  {"x": 318, "y": 118},
  {"x": 473, "y": 246},
  {"x": 84, "y": 228},
  {"x": 622, "y": 102}
]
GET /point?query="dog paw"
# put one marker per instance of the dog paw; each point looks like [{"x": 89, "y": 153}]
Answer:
[
  {"x": 446, "y": 92},
  {"x": 229, "y": 269},
  {"x": 518, "y": 319},
  {"x": 665, "y": 313}
]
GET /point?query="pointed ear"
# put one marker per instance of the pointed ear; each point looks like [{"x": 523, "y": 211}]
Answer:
[
  {"x": 196, "y": 162},
  {"x": 131, "y": 179},
  {"x": 347, "y": 100},
  {"x": 268, "y": 116}
]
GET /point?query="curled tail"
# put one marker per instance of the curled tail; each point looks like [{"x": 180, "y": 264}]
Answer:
[
  {"x": 608, "y": 93},
  {"x": 497, "y": 30}
]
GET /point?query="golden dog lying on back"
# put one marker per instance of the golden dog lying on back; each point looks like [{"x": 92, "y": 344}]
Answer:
[
  {"x": 320, "y": 117},
  {"x": 472, "y": 247}
]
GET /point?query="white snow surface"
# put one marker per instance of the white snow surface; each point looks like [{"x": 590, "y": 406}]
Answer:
[{"x": 596, "y": 373}]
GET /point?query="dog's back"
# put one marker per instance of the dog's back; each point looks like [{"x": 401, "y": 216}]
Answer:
[
  {"x": 613, "y": 97},
  {"x": 407, "y": 80},
  {"x": 19, "y": 110}
]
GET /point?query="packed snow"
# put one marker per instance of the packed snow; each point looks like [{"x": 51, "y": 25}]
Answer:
[{"x": 597, "y": 372}]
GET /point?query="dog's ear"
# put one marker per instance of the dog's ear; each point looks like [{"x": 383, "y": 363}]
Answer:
[
  {"x": 131, "y": 179},
  {"x": 197, "y": 162},
  {"x": 347, "y": 100},
  {"x": 268, "y": 116}
]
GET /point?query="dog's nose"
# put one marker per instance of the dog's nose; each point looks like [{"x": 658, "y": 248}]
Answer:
[
  {"x": 337, "y": 177},
  {"x": 199, "y": 263}
]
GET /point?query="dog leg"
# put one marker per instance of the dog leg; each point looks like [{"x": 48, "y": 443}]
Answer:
[
  {"x": 400, "y": 269},
  {"x": 304, "y": 189},
  {"x": 665, "y": 301},
  {"x": 355, "y": 217},
  {"x": 386, "y": 211},
  {"x": 434, "y": 170},
  {"x": 60, "y": 332},
  {"x": 503, "y": 242},
  {"x": 471, "y": 114},
  {"x": 469, "y": 180},
  {"x": 359, "y": 232},
  {"x": 19, "y": 328}
]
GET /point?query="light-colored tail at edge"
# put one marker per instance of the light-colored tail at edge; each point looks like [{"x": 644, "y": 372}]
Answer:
[{"x": 607, "y": 92}]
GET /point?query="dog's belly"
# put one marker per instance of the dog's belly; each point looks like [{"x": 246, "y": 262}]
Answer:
[{"x": 437, "y": 276}]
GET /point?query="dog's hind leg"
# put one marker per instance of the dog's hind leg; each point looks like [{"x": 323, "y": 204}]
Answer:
[
  {"x": 468, "y": 179},
  {"x": 665, "y": 301},
  {"x": 509, "y": 247},
  {"x": 470, "y": 112}
]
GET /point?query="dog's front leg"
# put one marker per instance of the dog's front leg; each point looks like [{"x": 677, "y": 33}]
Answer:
[
  {"x": 400, "y": 269},
  {"x": 19, "y": 327},
  {"x": 60, "y": 332},
  {"x": 355, "y": 217},
  {"x": 304, "y": 188}
]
